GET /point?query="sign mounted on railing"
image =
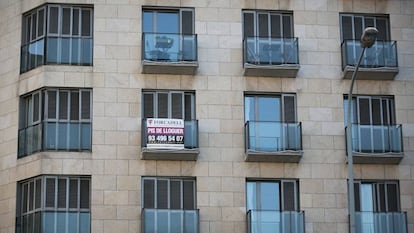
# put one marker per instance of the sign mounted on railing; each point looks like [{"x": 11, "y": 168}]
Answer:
[{"x": 165, "y": 133}]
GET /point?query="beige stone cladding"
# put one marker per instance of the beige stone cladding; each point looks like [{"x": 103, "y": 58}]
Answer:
[{"x": 116, "y": 80}]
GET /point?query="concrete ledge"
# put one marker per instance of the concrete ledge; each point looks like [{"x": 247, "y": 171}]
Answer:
[
  {"x": 380, "y": 73},
  {"x": 170, "y": 154},
  {"x": 276, "y": 156},
  {"x": 377, "y": 158},
  {"x": 161, "y": 67},
  {"x": 285, "y": 70}
]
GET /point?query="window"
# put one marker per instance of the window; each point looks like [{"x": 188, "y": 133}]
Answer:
[
  {"x": 268, "y": 38},
  {"x": 169, "y": 205},
  {"x": 373, "y": 124},
  {"x": 53, "y": 204},
  {"x": 168, "y": 34},
  {"x": 382, "y": 54},
  {"x": 270, "y": 24},
  {"x": 169, "y": 104},
  {"x": 57, "y": 34},
  {"x": 377, "y": 206},
  {"x": 353, "y": 25},
  {"x": 55, "y": 119},
  {"x": 273, "y": 205},
  {"x": 271, "y": 124}
]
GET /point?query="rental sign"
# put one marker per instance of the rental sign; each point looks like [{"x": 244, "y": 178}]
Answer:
[{"x": 165, "y": 133}]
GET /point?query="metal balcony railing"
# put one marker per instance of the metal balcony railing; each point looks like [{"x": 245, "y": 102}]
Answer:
[
  {"x": 190, "y": 134},
  {"x": 169, "y": 47},
  {"x": 381, "y": 54},
  {"x": 56, "y": 50},
  {"x": 170, "y": 221},
  {"x": 269, "y": 136},
  {"x": 64, "y": 136},
  {"x": 274, "y": 221},
  {"x": 385, "y": 222},
  {"x": 377, "y": 138},
  {"x": 270, "y": 51}
]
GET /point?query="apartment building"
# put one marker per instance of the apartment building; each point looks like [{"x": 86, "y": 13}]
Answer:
[{"x": 204, "y": 116}]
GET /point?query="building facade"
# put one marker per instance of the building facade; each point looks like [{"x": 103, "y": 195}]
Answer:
[{"x": 204, "y": 116}]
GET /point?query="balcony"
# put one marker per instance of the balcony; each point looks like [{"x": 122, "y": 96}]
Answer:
[
  {"x": 378, "y": 63},
  {"x": 51, "y": 221},
  {"x": 385, "y": 222},
  {"x": 55, "y": 136},
  {"x": 267, "y": 141},
  {"x": 170, "y": 220},
  {"x": 274, "y": 221},
  {"x": 189, "y": 152},
  {"x": 164, "y": 53},
  {"x": 56, "y": 50},
  {"x": 270, "y": 57},
  {"x": 377, "y": 144}
]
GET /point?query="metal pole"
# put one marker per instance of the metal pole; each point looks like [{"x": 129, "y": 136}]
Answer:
[{"x": 351, "y": 194}]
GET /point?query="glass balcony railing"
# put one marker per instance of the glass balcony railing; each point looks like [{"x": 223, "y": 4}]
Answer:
[
  {"x": 381, "y": 54},
  {"x": 169, "y": 47},
  {"x": 190, "y": 134},
  {"x": 268, "y": 136},
  {"x": 273, "y": 221},
  {"x": 270, "y": 51},
  {"x": 371, "y": 222},
  {"x": 170, "y": 221},
  {"x": 50, "y": 222},
  {"x": 56, "y": 50},
  {"x": 63, "y": 136},
  {"x": 377, "y": 138}
]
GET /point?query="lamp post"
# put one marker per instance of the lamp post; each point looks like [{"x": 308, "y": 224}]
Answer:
[{"x": 367, "y": 40}]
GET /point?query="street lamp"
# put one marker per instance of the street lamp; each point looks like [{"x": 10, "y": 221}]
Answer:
[{"x": 367, "y": 40}]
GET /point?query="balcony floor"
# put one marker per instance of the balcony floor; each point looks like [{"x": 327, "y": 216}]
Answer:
[
  {"x": 276, "y": 156},
  {"x": 380, "y": 73},
  {"x": 170, "y": 154},
  {"x": 285, "y": 70},
  {"x": 377, "y": 158},
  {"x": 167, "y": 67}
]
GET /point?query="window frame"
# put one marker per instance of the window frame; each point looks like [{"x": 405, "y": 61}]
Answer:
[
  {"x": 155, "y": 180},
  {"x": 269, "y": 14},
  {"x": 177, "y": 10},
  {"x": 355, "y": 111},
  {"x": 281, "y": 110},
  {"x": 375, "y": 184},
  {"x": 155, "y": 103},
  {"x": 363, "y": 17},
  {"x": 281, "y": 199}
]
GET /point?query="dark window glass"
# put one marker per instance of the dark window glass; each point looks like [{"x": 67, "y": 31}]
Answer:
[
  {"x": 392, "y": 198},
  {"x": 50, "y": 192},
  {"x": 148, "y": 105},
  {"x": 347, "y": 28},
  {"x": 86, "y": 105},
  {"x": 162, "y": 194},
  {"x": 36, "y": 106},
  {"x": 175, "y": 194},
  {"x": 86, "y": 23},
  {"x": 25, "y": 197},
  {"x": 275, "y": 26},
  {"x": 73, "y": 193},
  {"x": 177, "y": 105},
  {"x": 289, "y": 196},
  {"x": 358, "y": 28},
  {"x": 188, "y": 107},
  {"x": 357, "y": 199},
  {"x": 51, "y": 95},
  {"x": 376, "y": 112},
  {"x": 74, "y": 105},
  {"x": 38, "y": 193},
  {"x": 34, "y": 26},
  {"x": 287, "y": 26},
  {"x": 41, "y": 22},
  {"x": 63, "y": 105},
  {"x": 289, "y": 109},
  {"x": 53, "y": 20},
  {"x": 162, "y": 105},
  {"x": 149, "y": 194},
  {"x": 84, "y": 194},
  {"x": 75, "y": 21},
  {"x": 382, "y": 26},
  {"x": 380, "y": 192},
  {"x": 188, "y": 195},
  {"x": 187, "y": 22},
  {"x": 364, "y": 112},
  {"x": 248, "y": 23},
  {"x": 31, "y": 195},
  {"x": 263, "y": 25},
  {"x": 62, "y": 193}
]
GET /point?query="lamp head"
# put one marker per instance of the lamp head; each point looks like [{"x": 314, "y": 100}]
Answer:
[{"x": 369, "y": 37}]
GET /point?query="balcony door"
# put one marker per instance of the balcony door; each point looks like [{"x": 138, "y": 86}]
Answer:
[
  {"x": 352, "y": 28},
  {"x": 169, "y": 33},
  {"x": 270, "y": 205},
  {"x": 374, "y": 115},
  {"x": 264, "y": 32},
  {"x": 266, "y": 115}
]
